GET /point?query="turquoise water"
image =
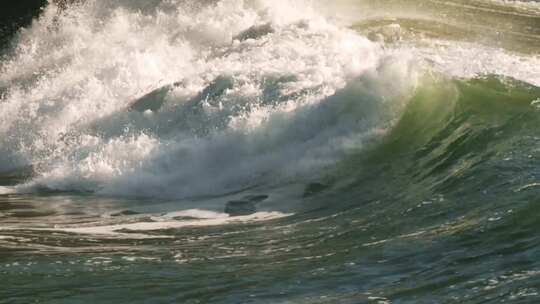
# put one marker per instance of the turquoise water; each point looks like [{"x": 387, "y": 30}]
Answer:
[{"x": 263, "y": 152}]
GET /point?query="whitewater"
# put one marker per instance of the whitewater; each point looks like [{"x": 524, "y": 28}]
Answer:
[{"x": 256, "y": 151}]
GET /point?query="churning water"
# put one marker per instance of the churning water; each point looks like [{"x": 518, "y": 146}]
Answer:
[{"x": 254, "y": 151}]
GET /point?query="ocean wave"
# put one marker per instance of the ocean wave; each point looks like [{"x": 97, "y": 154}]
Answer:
[{"x": 179, "y": 99}]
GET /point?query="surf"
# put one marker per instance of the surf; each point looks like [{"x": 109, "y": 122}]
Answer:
[{"x": 288, "y": 150}]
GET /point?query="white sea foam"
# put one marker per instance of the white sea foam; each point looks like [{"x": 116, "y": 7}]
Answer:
[
  {"x": 140, "y": 230},
  {"x": 193, "y": 213},
  {"x": 531, "y": 6},
  {"x": 299, "y": 96},
  {"x": 462, "y": 59},
  {"x": 7, "y": 190}
]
